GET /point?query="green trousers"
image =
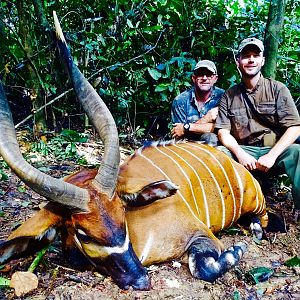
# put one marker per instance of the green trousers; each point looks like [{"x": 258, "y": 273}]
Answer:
[{"x": 288, "y": 161}]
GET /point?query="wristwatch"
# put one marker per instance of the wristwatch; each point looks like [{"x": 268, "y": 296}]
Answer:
[{"x": 186, "y": 126}]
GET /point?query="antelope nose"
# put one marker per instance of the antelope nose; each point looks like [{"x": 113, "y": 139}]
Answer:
[{"x": 143, "y": 283}]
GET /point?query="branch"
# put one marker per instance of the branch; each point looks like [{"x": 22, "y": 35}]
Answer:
[
  {"x": 42, "y": 107},
  {"x": 132, "y": 59},
  {"x": 93, "y": 75}
]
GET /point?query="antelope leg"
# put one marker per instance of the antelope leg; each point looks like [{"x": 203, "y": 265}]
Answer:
[{"x": 207, "y": 262}]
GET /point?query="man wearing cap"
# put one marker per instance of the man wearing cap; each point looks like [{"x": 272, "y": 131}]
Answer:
[
  {"x": 253, "y": 111},
  {"x": 194, "y": 111}
]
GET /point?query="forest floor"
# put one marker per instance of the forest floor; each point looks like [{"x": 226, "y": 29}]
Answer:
[{"x": 170, "y": 280}]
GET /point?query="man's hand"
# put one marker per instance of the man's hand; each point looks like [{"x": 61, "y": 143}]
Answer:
[
  {"x": 210, "y": 117},
  {"x": 177, "y": 131},
  {"x": 245, "y": 159},
  {"x": 265, "y": 162}
]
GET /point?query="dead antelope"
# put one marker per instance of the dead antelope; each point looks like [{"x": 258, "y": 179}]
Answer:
[{"x": 165, "y": 200}]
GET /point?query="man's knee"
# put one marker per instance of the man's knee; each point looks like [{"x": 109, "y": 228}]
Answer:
[
  {"x": 225, "y": 150},
  {"x": 293, "y": 151},
  {"x": 210, "y": 138}
]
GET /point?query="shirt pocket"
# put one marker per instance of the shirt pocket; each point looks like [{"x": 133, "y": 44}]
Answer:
[
  {"x": 239, "y": 117},
  {"x": 266, "y": 108}
]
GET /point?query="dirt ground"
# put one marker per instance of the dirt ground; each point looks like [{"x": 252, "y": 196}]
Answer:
[{"x": 170, "y": 280}]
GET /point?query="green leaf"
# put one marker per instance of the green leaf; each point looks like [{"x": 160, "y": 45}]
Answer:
[
  {"x": 154, "y": 73},
  {"x": 4, "y": 282},
  {"x": 44, "y": 169},
  {"x": 25, "y": 203},
  {"x": 21, "y": 189},
  {"x": 161, "y": 87},
  {"x": 259, "y": 274},
  {"x": 3, "y": 176},
  {"x": 37, "y": 259},
  {"x": 236, "y": 295},
  {"x": 232, "y": 231},
  {"x": 293, "y": 262},
  {"x": 129, "y": 23},
  {"x": 73, "y": 136}
]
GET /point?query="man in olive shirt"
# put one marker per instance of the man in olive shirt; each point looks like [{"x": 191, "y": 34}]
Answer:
[{"x": 241, "y": 129}]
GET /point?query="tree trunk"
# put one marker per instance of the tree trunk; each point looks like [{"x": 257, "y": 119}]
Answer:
[
  {"x": 272, "y": 36},
  {"x": 37, "y": 95},
  {"x": 42, "y": 20}
]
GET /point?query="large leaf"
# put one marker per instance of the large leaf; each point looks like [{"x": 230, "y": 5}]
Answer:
[
  {"x": 154, "y": 73},
  {"x": 23, "y": 282},
  {"x": 162, "y": 87}
]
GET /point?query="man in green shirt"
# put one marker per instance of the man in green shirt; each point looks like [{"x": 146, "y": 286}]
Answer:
[{"x": 242, "y": 127}]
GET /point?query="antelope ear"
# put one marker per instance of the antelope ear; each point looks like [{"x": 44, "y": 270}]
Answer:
[
  {"x": 150, "y": 193},
  {"x": 33, "y": 235}
]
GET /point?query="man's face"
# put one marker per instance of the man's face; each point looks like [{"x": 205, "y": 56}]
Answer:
[
  {"x": 204, "y": 79},
  {"x": 250, "y": 61}
]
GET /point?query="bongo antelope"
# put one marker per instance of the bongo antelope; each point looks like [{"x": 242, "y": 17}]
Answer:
[{"x": 167, "y": 199}]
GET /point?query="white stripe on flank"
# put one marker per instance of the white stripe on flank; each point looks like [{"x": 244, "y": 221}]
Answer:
[
  {"x": 241, "y": 188},
  {"x": 214, "y": 179},
  {"x": 256, "y": 197},
  {"x": 183, "y": 171},
  {"x": 178, "y": 192},
  {"x": 259, "y": 196},
  {"x": 234, "y": 217},
  {"x": 147, "y": 248},
  {"x": 201, "y": 186}
]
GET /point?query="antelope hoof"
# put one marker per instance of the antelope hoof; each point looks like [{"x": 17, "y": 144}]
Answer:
[
  {"x": 256, "y": 228},
  {"x": 209, "y": 266}
]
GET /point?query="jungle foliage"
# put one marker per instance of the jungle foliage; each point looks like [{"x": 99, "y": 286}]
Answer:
[{"x": 137, "y": 54}]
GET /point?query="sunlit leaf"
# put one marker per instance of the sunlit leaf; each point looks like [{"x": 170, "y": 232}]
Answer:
[
  {"x": 154, "y": 73},
  {"x": 129, "y": 23},
  {"x": 4, "y": 282},
  {"x": 161, "y": 87},
  {"x": 21, "y": 189}
]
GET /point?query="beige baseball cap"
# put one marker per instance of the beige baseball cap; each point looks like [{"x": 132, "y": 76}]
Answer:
[
  {"x": 207, "y": 64},
  {"x": 251, "y": 41}
]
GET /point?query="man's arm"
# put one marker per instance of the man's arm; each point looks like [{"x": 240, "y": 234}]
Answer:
[
  {"x": 203, "y": 125},
  {"x": 266, "y": 161},
  {"x": 245, "y": 159}
]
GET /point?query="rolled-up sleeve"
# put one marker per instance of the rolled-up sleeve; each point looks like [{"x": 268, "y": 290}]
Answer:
[
  {"x": 223, "y": 121},
  {"x": 288, "y": 114},
  {"x": 178, "y": 113}
]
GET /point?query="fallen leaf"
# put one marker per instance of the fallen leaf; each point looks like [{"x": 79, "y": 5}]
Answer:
[{"x": 23, "y": 282}]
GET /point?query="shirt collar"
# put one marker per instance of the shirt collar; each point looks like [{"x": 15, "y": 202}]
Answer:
[
  {"x": 212, "y": 95},
  {"x": 260, "y": 80}
]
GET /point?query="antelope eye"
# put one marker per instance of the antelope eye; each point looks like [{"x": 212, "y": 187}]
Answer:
[{"x": 81, "y": 235}]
